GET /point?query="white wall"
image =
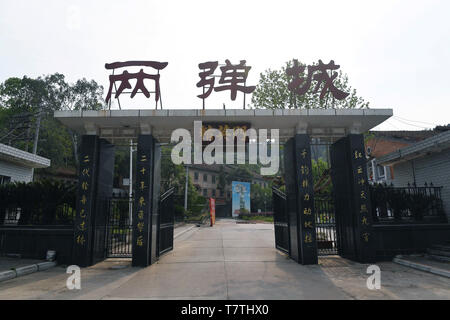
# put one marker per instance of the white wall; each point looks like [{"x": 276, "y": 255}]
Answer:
[{"x": 16, "y": 172}]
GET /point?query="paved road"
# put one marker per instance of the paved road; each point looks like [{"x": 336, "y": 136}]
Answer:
[{"x": 229, "y": 261}]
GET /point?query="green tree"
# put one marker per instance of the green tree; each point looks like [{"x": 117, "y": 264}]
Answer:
[
  {"x": 222, "y": 182},
  {"x": 260, "y": 198},
  {"x": 321, "y": 177},
  {"x": 239, "y": 172},
  {"x": 37, "y": 99},
  {"x": 173, "y": 175},
  {"x": 272, "y": 93}
]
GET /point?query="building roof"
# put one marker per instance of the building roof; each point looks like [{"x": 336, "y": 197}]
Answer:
[
  {"x": 406, "y": 136},
  {"x": 20, "y": 157},
  {"x": 431, "y": 145},
  {"x": 128, "y": 124}
]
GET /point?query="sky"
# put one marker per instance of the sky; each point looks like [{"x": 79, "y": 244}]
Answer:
[{"x": 395, "y": 53}]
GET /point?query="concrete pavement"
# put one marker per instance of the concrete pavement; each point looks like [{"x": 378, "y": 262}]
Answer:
[{"x": 229, "y": 261}]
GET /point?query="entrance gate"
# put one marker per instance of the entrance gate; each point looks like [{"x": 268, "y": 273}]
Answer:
[
  {"x": 166, "y": 222},
  {"x": 326, "y": 237},
  {"x": 325, "y": 225},
  {"x": 119, "y": 229},
  {"x": 306, "y": 224},
  {"x": 281, "y": 223}
]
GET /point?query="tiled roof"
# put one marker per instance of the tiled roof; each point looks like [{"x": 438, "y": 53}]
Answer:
[{"x": 434, "y": 144}]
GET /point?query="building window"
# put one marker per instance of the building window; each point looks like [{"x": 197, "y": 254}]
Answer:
[
  {"x": 380, "y": 170},
  {"x": 205, "y": 177},
  {"x": 213, "y": 179},
  {"x": 205, "y": 192},
  {"x": 4, "y": 180},
  {"x": 221, "y": 193},
  {"x": 195, "y": 176},
  {"x": 213, "y": 192}
]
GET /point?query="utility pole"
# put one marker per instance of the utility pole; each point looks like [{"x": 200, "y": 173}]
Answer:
[
  {"x": 186, "y": 189},
  {"x": 36, "y": 137},
  {"x": 36, "y": 132}
]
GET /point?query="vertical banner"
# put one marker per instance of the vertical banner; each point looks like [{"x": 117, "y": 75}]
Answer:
[
  {"x": 361, "y": 202},
  {"x": 83, "y": 222},
  {"x": 240, "y": 198},
  {"x": 142, "y": 201},
  {"x": 212, "y": 211}
]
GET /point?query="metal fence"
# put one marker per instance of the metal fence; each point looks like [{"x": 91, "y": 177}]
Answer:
[
  {"x": 60, "y": 215},
  {"x": 119, "y": 230},
  {"x": 407, "y": 204},
  {"x": 325, "y": 225},
  {"x": 166, "y": 221},
  {"x": 281, "y": 223}
]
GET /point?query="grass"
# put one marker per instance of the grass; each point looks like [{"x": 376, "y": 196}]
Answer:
[
  {"x": 257, "y": 218},
  {"x": 197, "y": 217}
]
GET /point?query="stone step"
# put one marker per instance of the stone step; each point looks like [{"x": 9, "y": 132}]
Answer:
[
  {"x": 442, "y": 247},
  {"x": 438, "y": 258},
  {"x": 424, "y": 263},
  {"x": 439, "y": 252}
]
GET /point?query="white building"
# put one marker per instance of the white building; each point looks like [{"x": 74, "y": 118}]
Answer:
[{"x": 17, "y": 165}]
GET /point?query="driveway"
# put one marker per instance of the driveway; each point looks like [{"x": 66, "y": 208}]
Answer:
[{"x": 229, "y": 261}]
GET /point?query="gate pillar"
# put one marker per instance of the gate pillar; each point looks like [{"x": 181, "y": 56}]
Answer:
[
  {"x": 145, "y": 211},
  {"x": 300, "y": 199},
  {"x": 352, "y": 199},
  {"x": 83, "y": 227},
  {"x": 94, "y": 182}
]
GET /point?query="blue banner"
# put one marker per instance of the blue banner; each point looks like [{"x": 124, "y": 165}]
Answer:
[{"x": 241, "y": 198}]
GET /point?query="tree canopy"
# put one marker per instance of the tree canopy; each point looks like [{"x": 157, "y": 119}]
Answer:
[{"x": 24, "y": 100}]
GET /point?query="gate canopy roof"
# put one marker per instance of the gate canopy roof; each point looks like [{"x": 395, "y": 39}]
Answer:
[{"x": 128, "y": 124}]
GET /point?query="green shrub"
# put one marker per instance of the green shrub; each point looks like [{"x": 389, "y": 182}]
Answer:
[{"x": 45, "y": 202}]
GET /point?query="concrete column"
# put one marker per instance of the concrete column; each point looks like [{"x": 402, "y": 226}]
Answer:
[
  {"x": 352, "y": 199},
  {"x": 145, "y": 213},
  {"x": 300, "y": 199},
  {"x": 87, "y": 186}
]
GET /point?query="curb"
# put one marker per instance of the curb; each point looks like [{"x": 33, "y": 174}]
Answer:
[
  {"x": 422, "y": 267},
  {"x": 22, "y": 271},
  {"x": 182, "y": 232}
]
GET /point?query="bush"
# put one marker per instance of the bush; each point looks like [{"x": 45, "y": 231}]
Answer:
[{"x": 45, "y": 202}]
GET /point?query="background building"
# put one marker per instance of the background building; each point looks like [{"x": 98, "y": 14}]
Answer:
[
  {"x": 381, "y": 143},
  {"x": 424, "y": 162},
  {"x": 17, "y": 165},
  {"x": 206, "y": 178}
]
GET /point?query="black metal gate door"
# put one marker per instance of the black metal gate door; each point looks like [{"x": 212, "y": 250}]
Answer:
[
  {"x": 325, "y": 225},
  {"x": 119, "y": 230},
  {"x": 166, "y": 222},
  {"x": 281, "y": 221}
]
